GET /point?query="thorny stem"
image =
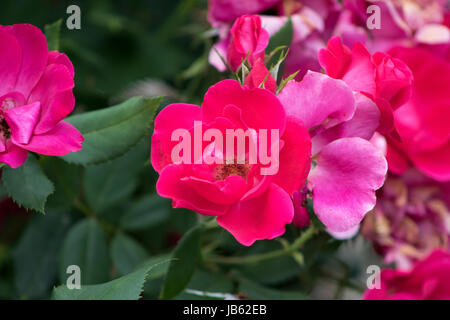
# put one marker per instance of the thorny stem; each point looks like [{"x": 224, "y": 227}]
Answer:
[{"x": 255, "y": 258}]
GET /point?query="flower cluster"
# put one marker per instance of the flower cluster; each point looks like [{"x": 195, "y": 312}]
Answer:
[{"x": 322, "y": 148}]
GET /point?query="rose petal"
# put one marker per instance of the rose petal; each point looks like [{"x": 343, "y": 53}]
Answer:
[
  {"x": 22, "y": 121},
  {"x": 54, "y": 92},
  {"x": 55, "y": 57},
  {"x": 363, "y": 124},
  {"x": 170, "y": 185},
  {"x": 260, "y": 75},
  {"x": 34, "y": 56},
  {"x": 61, "y": 140},
  {"x": 435, "y": 164},
  {"x": 295, "y": 157},
  {"x": 344, "y": 181},
  {"x": 10, "y": 60},
  {"x": 173, "y": 117},
  {"x": 14, "y": 156},
  {"x": 264, "y": 217},
  {"x": 223, "y": 192},
  {"x": 318, "y": 98},
  {"x": 260, "y": 108}
]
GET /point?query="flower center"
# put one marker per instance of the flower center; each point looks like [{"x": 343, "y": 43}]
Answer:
[
  {"x": 226, "y": 170},
  {"x": 5, "y": 130}
]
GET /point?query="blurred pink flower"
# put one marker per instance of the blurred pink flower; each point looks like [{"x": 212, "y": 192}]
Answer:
[
  {"x": 228, "y": 10},
  {"x": 428, "y": 280},
  {"x": 422, "y": 122},
  {"x": 411, "y": 218},
  {"x": 35, "y": 96},
  {"x": 403, "y": 22}
]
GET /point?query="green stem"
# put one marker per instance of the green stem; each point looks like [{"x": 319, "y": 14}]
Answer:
[{"x": 255, "y": 258}]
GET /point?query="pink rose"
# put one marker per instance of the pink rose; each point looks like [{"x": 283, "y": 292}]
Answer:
[
  {"x": 35, "y": 96},
  {"x": 422, "y": 122},
  {"x": 347, "y": 167},
  {"x": 248, "y": 40},
  {"x": 428, "y": 280},
  {"x": 250, "y": 204},
  {"x": 384, "y": 79}
]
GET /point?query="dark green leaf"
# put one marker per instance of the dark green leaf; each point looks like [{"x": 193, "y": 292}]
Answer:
[
  {"x": 28, "y": 185},
  {"x": 148, "y": 212},
  {"x": 108, "y": 184},
  {"x": 35, "y": 257},
  {"x": 86, "y": 247},
  {"x": 128, "y": 287},
  {"x": 127, "y": 254},
  {"x": 67, "y": 181},
  {"x": 111, "y": 132},
  {"x": 186, "y": 257}
]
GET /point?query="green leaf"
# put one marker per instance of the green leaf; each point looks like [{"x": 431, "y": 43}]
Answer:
[
  {"x": 127, "y": 254},
  {"x": 52, "y": 32},
  {"x": 150, "y": 211},
  {"x": 111, "y": 132},
  {"x": 36, "y": 255},
  {"x": 128, "y": 287},
  {"x": 186, "y": 257},
  {"x": 67, "y": 181},
  {"x": 28, "y": 185},
  {"x": 258, "y": 292},
  {"x": 282, "y": 38},
  {"x": 86, "y": 247},
  {"x": 108, "y": 184}
]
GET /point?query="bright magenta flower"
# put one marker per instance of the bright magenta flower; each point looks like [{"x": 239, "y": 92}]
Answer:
[
  {"x": 35, "y": 96},
  {"x": 249, "y": 204},
  {"x": 428, "y": 280}
]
